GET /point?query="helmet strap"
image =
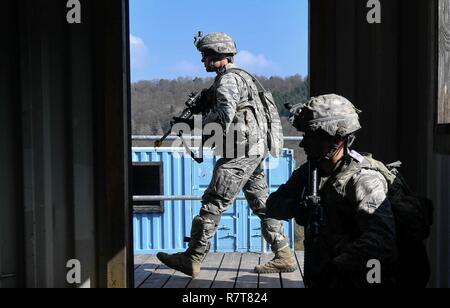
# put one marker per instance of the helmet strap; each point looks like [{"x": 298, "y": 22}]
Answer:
[
  {"x": 350, "y": 140},
  {"x": 211, "y": 67},
  {"x": 332, "y": 151},
  {"x": 347, "y": 142}
]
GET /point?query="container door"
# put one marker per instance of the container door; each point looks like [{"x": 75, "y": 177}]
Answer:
[
  {"x": 278, "y": 171},
  {"x": 254, "y": 227},
  {"x": 225, "y": 239}
]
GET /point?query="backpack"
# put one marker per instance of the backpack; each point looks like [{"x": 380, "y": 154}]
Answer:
[
  {"x": 275, "y": 138},
  {"x": 413, "y": 219},
  {"x": 413, "y": 214}
]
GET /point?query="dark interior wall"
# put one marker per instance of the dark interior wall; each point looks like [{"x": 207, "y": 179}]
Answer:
[
  {"x": 113, "y": 140},
  {"x": 389, "y": 71},
  {"x": 382, "y": 68},
  {"x": 11, "y": 210},
  {"x": 64, "y": 113},
  {"x": 46, "y": 142}
]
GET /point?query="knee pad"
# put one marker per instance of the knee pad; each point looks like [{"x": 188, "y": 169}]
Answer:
[
  {"x": 272, "y": 225},
  {"x": 202, "y": 226},
  {"x": 210, "y": 217}
]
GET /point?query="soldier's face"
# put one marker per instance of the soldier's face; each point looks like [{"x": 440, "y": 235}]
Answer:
[
  {"x": 213, "y": 63},
  {"x": 316, "y": 145},
  {"x": 208, "y": 62}
]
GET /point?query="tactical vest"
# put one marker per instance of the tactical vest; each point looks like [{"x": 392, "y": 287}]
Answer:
[
  {"x": 263, "y": 106},
  {"x": 249, "y": 116},
  {"x": 413, "y": 214}
]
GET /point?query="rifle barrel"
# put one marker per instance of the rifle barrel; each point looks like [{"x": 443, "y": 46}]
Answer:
[
  {"x": 186, "y": 114},
  {"x": 314, "y": 182},
  {"x": 158, "y": 143}
]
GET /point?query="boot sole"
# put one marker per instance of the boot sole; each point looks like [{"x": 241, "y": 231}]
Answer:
[
  {"x": 193, "y": 275},
  {"x": 276, "y": 271}
]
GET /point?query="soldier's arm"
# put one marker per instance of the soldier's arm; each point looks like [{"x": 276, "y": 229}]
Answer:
[
  {"x": 375, "y": 220},
  {"x": 227, "y": 99},
  {"x": 285, "y": 203}
]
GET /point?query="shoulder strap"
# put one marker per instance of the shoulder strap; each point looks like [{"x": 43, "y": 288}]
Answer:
[
  {"x": 340, "y": 180},
  {"x": 343, "y": 177},
  {"x": 236, "y": 71},
  {"x": 257, "y": 82}
]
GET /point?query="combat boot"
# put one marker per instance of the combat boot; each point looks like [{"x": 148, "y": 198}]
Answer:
[
  {"x": 182, "y": 262},
  {"x": 283, "y": 262}
]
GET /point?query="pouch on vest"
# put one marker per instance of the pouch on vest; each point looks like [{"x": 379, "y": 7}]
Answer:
[
  {"x": 413, "y": 219},
  {"x": 413, "y": 214},
  {"x": 275, "y": 138}
]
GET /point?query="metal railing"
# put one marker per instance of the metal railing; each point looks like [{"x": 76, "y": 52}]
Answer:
[
  {"x": 172, "y": 198},
  {"x": 188, "y": 137},
  {"x": 191, "y": 198},
  {"x": 188, "y": 198}
]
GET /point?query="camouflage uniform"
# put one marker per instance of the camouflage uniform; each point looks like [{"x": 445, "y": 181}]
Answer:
[
  {"x": 358, "y": 221},
  {"x": 235, "y": 173},
  {"x": 236, "y": 107},
  {"x": 240, "y": 113}
]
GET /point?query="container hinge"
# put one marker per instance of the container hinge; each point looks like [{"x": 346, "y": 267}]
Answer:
[{"x": 231, "y": 235}]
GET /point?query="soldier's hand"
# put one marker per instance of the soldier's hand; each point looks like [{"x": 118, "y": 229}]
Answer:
[{"x": 203, "y": 102}]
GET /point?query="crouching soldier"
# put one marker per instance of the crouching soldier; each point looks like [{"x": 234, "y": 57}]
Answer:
[{"x": 341, "y": 200}]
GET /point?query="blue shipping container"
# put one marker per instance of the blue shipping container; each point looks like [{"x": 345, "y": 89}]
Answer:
[{"x": 239, "y": 229}]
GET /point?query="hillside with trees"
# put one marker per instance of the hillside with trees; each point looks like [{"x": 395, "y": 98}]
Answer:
[{"x": 155, "y": 102}]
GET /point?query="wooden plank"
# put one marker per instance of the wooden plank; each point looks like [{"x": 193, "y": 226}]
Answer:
[
  {"x": 301, "y": 261},
  {"x": 293, "y": 280},
  {"x": 145, "y": 270},
  {"x": 159, "y": 277},
  {"x": 139, "y": 260},
  {"x": 227, "y": 275},
  {"x": 178, "y": 281},
  {"x": 269, "y": 281},
  {"x": 247, "y": 278},
  {"x": 210, "y": 266}
]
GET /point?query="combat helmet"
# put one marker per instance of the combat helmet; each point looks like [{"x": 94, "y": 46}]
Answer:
[
  {"x": 330, "y": 113},
  {"x": 216, "y": 42}
]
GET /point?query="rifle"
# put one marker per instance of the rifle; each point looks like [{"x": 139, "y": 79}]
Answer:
[
  {"x": 313, "y": 228},
  {"x": 313, "y": 202},
  {"x": 196, "y": 103}
]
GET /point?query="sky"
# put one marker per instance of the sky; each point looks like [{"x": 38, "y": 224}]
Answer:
[{"x": 271, "y": 36}]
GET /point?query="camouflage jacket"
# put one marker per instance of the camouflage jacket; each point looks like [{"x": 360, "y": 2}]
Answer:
[
  {"x": 358, "y": 223},
  {"x": 238, "y": 110}
]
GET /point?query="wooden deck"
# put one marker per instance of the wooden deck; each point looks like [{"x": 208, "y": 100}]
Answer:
[{"x": 219, "y": 270}]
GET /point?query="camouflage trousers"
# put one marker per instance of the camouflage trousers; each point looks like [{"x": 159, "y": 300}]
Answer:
[{"x": 230, "y": 176}]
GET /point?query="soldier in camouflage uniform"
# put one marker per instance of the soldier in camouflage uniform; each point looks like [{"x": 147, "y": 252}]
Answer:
[
  {"x": 357, "y": 224},
  {"x": 235, "y": 102}
]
